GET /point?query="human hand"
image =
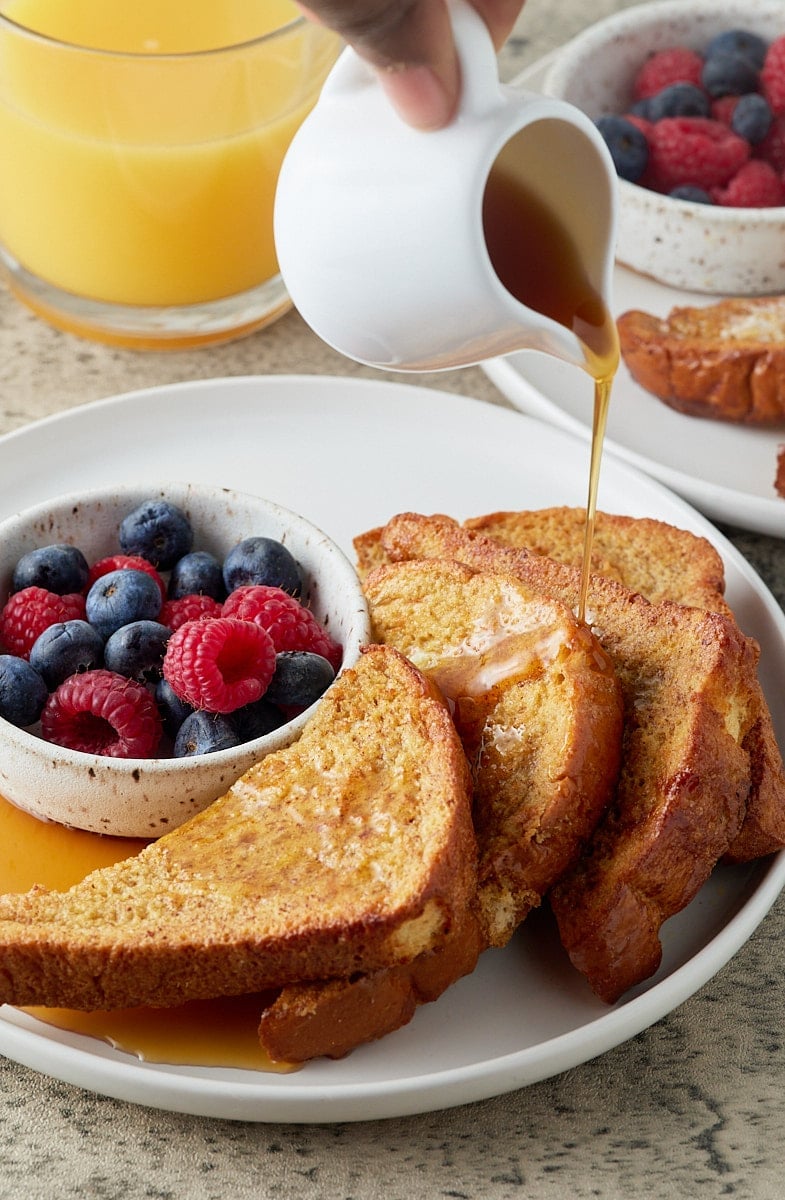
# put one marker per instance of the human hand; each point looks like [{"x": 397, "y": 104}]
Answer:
[{"x": 410, "y": 44}]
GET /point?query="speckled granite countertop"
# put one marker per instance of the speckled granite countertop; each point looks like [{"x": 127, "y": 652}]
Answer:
[{"x": 694, "y": 1106}]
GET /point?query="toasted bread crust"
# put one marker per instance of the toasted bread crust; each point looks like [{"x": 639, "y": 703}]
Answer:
[
  {"x": 351, "y": 850},
  {"x": 725, "y": 361},
  {"x": 332, "y": 1018},
  {"x": 662, "y": 563},
  {"x": 688, "y": 678},
  {"x": 652, "y": 557}
]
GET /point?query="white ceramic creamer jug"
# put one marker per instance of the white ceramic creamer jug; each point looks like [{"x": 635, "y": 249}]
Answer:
[{"x": 420, "y": 251}]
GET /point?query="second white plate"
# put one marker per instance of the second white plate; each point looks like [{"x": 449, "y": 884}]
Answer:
[{"x": 726, "y": 471}]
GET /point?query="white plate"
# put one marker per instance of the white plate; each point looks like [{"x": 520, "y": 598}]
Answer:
[
  {"x": 724, "y": 470},
  {"x": 349, "y": 454}
]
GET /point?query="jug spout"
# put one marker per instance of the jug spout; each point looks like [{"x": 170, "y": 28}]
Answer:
[{"x": 549, "y": 229}]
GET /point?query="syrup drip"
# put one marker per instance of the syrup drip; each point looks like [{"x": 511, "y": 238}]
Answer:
[
  {"x": 205, "y": 1033},
  {"x": 537, "y": 260}
]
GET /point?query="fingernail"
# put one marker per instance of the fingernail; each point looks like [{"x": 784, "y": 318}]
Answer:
[{"x": 419, "y": 96}]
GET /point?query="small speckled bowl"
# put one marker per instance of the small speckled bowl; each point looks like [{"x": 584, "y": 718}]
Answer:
[
  {"x": 148, "y": 797},
  {"x": 695, "y": 247}
]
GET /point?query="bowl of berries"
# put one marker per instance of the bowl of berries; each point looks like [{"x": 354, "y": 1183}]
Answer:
[
  {"x": 689, "y": 96},
  {"x": 157, "y": 641}
]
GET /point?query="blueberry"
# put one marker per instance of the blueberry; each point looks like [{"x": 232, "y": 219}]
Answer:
[
  {"x": 739, "y": 42},
  {"x": 679, "y": 100},
  {"x": 627, "y": 145},
  {"x": 23, "y": 692},
  {"x": 58, "y": 568},
  {"x": 728, "y": 74},
  {"x": 66, "y": 648},
  {"x": 257, "y": 719},
  {"x": 751, "y": 118},
  {"x": 262, "y": 560},
  {"x": 687, "y": 191},
  {"x": 137, "y": 650},
  {"x": 300, "y": 678},
  {"x": 197, "y": 573},
  {"x": 173, "y": 710},
  {"x": 641, "y": 108},
  {"x": 158, "y": 531},
  {"x": 120, "y": 597},
  {"x": 204, "y": 733}
]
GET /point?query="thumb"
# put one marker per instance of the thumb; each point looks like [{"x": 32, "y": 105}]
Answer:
[{"x": 411, "y": 47}]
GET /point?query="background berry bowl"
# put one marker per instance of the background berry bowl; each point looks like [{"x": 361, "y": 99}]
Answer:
[
  {"x": 145, "y": 797},
  {"x": 696, "y": 247}
]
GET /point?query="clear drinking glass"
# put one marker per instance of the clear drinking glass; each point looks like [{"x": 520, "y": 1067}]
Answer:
[{"x": 139, "y": 153}]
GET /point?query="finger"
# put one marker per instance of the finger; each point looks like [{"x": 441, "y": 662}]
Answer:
[{"x": 410, "y": 43}]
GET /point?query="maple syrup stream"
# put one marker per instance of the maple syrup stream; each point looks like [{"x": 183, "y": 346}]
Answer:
[{"x": 537, "y": 260}]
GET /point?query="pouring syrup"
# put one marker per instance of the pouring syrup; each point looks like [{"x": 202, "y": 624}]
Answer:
[{"x": 536, "y": 259}]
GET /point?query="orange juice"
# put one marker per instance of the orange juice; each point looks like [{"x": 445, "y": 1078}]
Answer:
[{"x": 140, "y": 143}]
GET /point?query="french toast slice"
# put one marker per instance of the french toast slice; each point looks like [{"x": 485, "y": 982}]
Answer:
[
  {"x": 687, "y": 677},
  {"x": 662, "y": 563},
  {"x": 724, "y": 361},
  {"x": 329, "y": 1018},
  {"x": 350, "y": 850},
  {"x": 659, "y": 560},
  {"x": 539, "y": 710}
]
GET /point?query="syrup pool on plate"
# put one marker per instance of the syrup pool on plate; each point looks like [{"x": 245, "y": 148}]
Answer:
[{"x": 206, "y": 1033}]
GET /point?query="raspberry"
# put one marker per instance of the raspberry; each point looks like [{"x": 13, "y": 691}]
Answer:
[
  {"x": 220, "y": 664},
  {"x": 772, "y": 148},
  {"x": 772, "y": 76},
  {"x": 100, "y": 712},
  {"x": 28, "y": 613},
  {"x": 123, "y": 562},
  {"x": 722, "y": 108},
  {"x": 642, "y": 123},
  {"x": 693, "y": 150},
  {"x": 755, "y": 185},
  {"x": 193, "y": 607},
  {"x": 290, "y": 625},
  {"x": 677, "y": 64}
]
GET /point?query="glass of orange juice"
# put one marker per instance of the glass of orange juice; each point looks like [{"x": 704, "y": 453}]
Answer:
[{"x": 140, "y": 145}]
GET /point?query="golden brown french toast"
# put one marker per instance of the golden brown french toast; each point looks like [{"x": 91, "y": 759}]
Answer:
[
  {"x": 539, "y": 710},
  {"x": 351, "y": 850},
  {"x": 688, "y": 678},
  {"x": 537, "y": 705},
  {"x": 333, "y": 1017},
  {"x": 725, "y": 361},
  {"x": 648, "y": 556},
  {"x": 662, "y": 563}
]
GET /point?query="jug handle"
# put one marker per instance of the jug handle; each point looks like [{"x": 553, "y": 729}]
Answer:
[{"x": 480, "y": 87}]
